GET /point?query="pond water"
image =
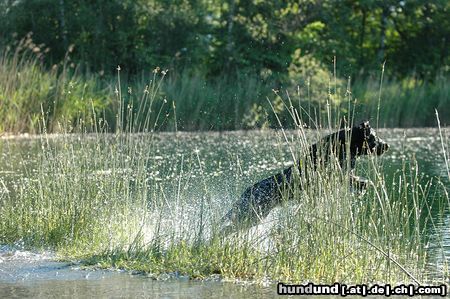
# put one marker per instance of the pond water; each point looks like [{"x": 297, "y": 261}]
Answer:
[
  {"x": 226, "y": 163},
  {"x": 25, "y": 274}
]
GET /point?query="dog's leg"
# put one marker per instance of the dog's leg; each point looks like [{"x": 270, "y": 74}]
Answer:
[{"x": 256, "y": 202}]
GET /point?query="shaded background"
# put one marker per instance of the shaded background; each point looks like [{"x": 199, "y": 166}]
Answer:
[{"x": 225, "y": 57}]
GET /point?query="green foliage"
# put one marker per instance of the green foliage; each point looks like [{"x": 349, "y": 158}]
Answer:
[
  {"x": 219, "y": 104},
  {"x": 224, "y": 60},
  {"x": 29, "y": 93},
  {"x": 219, "y": 38},
  {"x": 308, "y": 72},
  {"x": 406, "y": 103},
  {"x": 189, "y": 101},
  {"x": 97, "y": 197}
]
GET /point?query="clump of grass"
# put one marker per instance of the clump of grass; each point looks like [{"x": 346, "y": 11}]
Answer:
[
  {"x": 95, "y": 197},
  {"x": 327, "y": 234},
  {"x": 218, "y": 104},
  {"x": 67, "y": 94},
  {"x": 405, "y": 103},
  {"x": 27, "y": 89}
]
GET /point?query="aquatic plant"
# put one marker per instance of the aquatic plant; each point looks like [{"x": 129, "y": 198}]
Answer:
[
  {"x": 63, "y": 94},
  {"x": 68, "y": 94},
  {"x": 104, "y": 198}
]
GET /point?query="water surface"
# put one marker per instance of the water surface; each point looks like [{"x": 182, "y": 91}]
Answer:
[{"x": 226, "y": 163}]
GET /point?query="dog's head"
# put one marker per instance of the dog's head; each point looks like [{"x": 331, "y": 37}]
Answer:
[{"x": 364, "y": 141}]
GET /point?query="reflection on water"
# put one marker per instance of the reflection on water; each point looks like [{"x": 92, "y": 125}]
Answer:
[
  {"x": 229, "y": 162},
  {"x": 125, "y": 286},
  {"x": 439, "y": 249},
  {"x": 24, "y": 274}
]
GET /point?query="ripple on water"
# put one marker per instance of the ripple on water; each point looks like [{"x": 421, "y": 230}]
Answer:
[
  {"x": 230, "y": 162},
  {"x": 27, "y": 274}
]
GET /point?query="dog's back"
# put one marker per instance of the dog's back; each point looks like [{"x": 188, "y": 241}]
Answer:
[{"x": 258, "y": 200}]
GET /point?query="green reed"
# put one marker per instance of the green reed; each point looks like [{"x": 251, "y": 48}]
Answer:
[
  {"x": 68, "y": 94},
  {"x": 28, "y": 89},
  {"x": 96, "y": 197}
]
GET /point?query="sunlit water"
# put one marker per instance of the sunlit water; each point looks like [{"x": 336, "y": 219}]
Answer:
[
  {"x": 24, "y": 274},
  {"x": 226, "y": 163}
]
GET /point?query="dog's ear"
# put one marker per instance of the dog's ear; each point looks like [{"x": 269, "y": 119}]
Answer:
[{"x": 364, "y": 125}]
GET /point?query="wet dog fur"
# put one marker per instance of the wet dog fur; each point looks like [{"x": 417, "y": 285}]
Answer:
[{"x": 258, "y": 200}]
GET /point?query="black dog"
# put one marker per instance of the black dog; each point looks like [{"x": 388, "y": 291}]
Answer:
[{"x": 258, "y": 200}]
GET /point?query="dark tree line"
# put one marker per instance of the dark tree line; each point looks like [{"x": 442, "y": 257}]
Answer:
[{"x": 214, "y": 38}]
